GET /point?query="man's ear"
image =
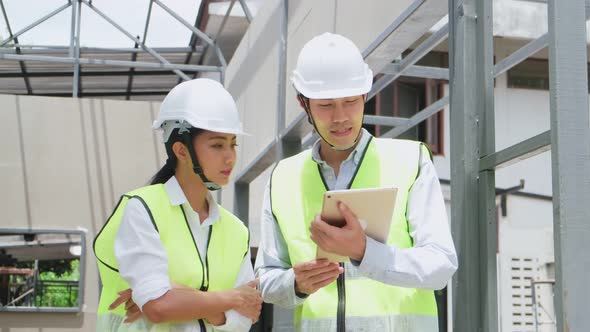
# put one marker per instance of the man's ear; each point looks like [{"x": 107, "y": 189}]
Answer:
[{"x": 180, "y": 151}]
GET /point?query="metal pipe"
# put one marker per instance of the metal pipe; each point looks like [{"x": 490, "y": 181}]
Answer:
[
  {"x": 196, "y": 31},
  {"x": 147, "y": 20},
  {"x": 417, "y": 71},
  {"x": 146, "y": 48},
  {"x": 246, "y": 11},
  {"x": 34, "y": 24},
  {"x": 115, "y": 63},
  {"x": 570, "y": 161},
  {"x": 231, "y": 5},
  {"x": 403, "y": 16},
  {"x": 76, "y": 83},
  {"x": 517, "y": 152},
  {"x": 47, "y": 49},
  {"x": 418, "y": 117},
  {"x": 411, "y": 59},
  {"x": 521, "y": 54},
  {"x": 385, "y": 120},
  {"x": 73, "y": 27},
  {"x": 23, "y": 68}
]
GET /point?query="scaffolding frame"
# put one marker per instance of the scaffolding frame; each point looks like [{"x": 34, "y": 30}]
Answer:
[
  {"x": 473, "y": 157},
  {"x": 16, "y": 53}
]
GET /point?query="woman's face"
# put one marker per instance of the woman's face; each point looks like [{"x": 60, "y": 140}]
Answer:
[{"x": 216, "y": 153}]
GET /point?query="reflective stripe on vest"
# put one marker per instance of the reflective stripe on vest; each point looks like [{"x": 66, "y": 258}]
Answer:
[
  {"x": 297, "y": 188},
  {"x": 228, "y": 244}
]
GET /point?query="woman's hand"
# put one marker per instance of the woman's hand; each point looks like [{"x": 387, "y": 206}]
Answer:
[
  {"x": 132, "y": 310},
  {"x": 248, "y": 300}
]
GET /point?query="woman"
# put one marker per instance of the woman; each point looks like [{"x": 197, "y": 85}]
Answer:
[{"x": 184, "y": 258}]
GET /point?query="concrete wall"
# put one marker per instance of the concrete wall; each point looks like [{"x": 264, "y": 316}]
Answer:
[
  {"x": 64, "y": 164},
  {"x": 522, "y": 19}
]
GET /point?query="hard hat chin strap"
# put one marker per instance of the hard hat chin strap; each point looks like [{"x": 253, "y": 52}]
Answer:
[{"x": 188, "y": 142}]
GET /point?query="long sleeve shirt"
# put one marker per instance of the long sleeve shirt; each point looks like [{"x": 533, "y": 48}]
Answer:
[
  {"x": 429, "y": 264},
  {"x": 143, "y": 261}
]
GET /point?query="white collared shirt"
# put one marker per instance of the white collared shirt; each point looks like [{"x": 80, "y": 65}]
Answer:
[
  {"x": 143, "y": 261},
  {"x": 429, "y": 264}
]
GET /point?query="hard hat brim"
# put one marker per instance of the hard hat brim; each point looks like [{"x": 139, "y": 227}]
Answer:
[{"x": 333, "y": 93}]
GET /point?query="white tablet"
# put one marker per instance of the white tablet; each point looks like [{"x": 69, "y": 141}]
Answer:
[{"x": 372, "y": 206}]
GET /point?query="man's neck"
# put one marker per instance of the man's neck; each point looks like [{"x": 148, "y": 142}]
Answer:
[{"x": 333, "y": 157}]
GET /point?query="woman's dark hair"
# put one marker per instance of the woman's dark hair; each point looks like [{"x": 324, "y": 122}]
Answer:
[{"x": 167, "y": 171}]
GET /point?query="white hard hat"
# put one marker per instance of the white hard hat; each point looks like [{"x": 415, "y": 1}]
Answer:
[
  {"x": 331, "y": 66},
  {"x": 200, "y": 103}
]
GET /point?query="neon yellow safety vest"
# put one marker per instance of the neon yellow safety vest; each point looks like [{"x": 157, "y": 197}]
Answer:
[
  {"x": 227, "y": 247},
  {"x": 353, "y": 301}
]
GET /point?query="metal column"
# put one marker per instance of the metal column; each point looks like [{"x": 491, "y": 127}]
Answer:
[
  {"x": 570, "y": 157},
  {"x": 473, "y": 192}
]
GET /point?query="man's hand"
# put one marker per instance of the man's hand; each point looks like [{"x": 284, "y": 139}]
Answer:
[
  {"x": 350, "y": 240},
  {"x": 248, "y": 300},
  {"x": 132, "y": 310},
  {"x": 313, "y": 275}
]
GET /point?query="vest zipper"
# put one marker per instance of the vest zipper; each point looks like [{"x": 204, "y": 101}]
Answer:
[
  {"x": 204, "y": 267},
  {"x": 341, "y": 313}
]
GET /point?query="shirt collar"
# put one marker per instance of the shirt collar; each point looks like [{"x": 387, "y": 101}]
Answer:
[
  {"x": 355, "y": 155},
  {"x": 177, "y": 197}
]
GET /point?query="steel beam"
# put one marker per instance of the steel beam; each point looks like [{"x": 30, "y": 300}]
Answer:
[
  {"x": 193, "y": 38},
  {"x": 225, "y": 17},
  {"x": 34, "y": 24},
  {"x": 107, "y": 93},
  {"x": 241, "y": 201},
  {"x": 261, "y": 162},
  {"x": 143, "y": 46},
  {"x": 114, "y": 63},
  {"x": 385, "y": 120},
  {"x": 381, "y": 58},
  {"x": 418, "y": 117},
  {"x": 298, "y": 128},
  {"x": 517, "y": 152},
  {"x": 147, "y": 21},
  {"x": 131, "y": 74},
  {"x": 282, "y": 72},
  {"x": 417, "y": 54},
  {"x": 473, "y": 192},
  {"x": 247, "y": 12},
  {"x": 570, "y": 159},
  {"x": 23, "y": 68},
  {"x": 76, "y": 85},
  {"x": 196, "y": 31},
  {"x": 73, "y": 28},
  {"x": 521, "y": 54},
  {"x": 87, "y": 73},
  {"x": 47, "y": 49},
  {"x": 417, "y": 71}
]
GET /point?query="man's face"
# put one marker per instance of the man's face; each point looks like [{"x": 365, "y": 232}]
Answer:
[{"x": 338, "y": 120}]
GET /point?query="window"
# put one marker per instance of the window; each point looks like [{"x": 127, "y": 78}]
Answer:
[
  {"x": 532, "y": 74},
  {"x": 406, "y": 96},
  {"x": 41, "y": 270}
]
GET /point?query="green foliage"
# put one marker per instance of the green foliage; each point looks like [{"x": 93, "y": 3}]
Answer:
[{"x": 58, "y": 284}]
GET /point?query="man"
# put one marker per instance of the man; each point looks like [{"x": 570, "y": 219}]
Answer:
[{"x": 384, "y": 287}]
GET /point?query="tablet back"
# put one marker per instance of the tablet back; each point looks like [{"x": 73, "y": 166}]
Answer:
[{"x": 373, "y": 207}]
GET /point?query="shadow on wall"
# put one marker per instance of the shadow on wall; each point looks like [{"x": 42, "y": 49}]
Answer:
[{"x": 63, "y": 166}]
